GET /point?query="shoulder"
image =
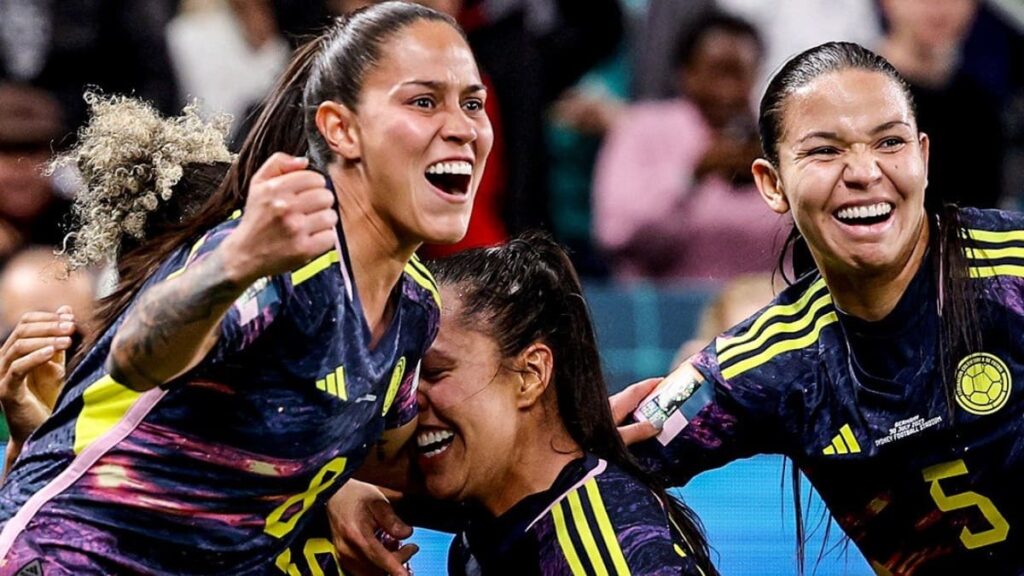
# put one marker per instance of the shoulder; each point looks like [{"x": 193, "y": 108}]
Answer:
[
  {"x": 988, "y": 220},
  {"x": 994, "y": 243},
  {"x": 612, "y": 523},
  {"x": 772, "y": 338},
  {"x": 420, "y": 290}
]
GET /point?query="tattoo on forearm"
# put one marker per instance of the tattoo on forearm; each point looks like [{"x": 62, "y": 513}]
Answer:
[{"x": 173, "y": 318}]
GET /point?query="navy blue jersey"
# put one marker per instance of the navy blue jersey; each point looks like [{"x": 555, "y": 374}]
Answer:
[
  {"x": 223, "y": 469},
  {"x": 595, "y": 519},
  {"x": 922, "y": 485}
]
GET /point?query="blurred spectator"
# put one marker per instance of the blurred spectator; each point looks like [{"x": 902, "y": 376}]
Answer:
[
  {"x": 657, "y": 33},
  {"x": 62, "y": 46},
  {"x": 30, "y": 210},
  {"x": 738, "y": 299},
  {"x": 227, "y": 53},
  {"x": 789, "y": 27},
  {"x": 533, "y": 50},
  {"x": 924, "y": 42},
  {"x": 36, "y": 279},
  {"x": 674, "y": 197}
]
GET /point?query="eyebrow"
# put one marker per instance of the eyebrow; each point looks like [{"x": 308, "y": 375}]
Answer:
[
  {"x": 437, "y": 86},
  {"x": 874, "y": 131}
]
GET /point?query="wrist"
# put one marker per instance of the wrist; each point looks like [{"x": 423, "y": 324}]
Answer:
[{"x": 239, "y": 268}]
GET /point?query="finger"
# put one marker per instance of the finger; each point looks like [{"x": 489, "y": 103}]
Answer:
[
  {"x": 383, "y": 558},
  {"x": 321, "y": 221},
  {"x": 638, "y": 432},
  {"x": 291, "y": 184},
  {"x": 406, "y": 552},
  {"x": 26, "y": 346},
  {"x": 279, "y": 163},
  {"x": 65, "y": 309},
  {"x": 384, "y": 516},
  {"x": 625, "y": 402},
  {"x": 322, "y": 241},
  {"x": 54, "y": 327},
  {"x": 313, "y": 200},
  {"x": 22, "y": 366}
]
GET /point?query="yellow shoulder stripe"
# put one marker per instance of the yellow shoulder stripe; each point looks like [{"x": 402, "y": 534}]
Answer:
[
  {"x": 562, "y": 533},
  {"x": 424, "y": 279},
  {"x": 780, "y": 348},
  {"x": 777, "y": 328},
  {"x": 813, "y": 291},
  {"x": 996, "y": 236},
  {"x": 604, "y": 524},
  {"x": 592, "y": 534},
  {"x": 188, "y": 260},
  {"x": 104, "y": 403},
  {"x": 318, "y": 265}
]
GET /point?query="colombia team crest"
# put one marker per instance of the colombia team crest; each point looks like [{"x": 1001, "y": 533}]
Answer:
[{"x": 983, "y": 384}]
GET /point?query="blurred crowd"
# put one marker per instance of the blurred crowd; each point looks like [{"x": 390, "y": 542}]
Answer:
[{"x": 626, "y": 127}]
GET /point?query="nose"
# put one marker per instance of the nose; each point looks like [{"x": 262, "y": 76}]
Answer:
[
  {"x": 861, "y": 170},
  {"x": 458, "y": 127}
]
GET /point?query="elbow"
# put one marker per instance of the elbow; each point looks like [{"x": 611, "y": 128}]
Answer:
[{"x": 123, "y": 365}]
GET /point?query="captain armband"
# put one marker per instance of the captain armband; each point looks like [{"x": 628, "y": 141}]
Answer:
[{"x": 675, "y": 401}]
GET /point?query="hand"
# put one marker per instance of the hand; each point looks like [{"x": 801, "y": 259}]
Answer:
[
  {"x": 624, "y": 403},
  {"x": 367, "y": 532},
  {"x": 591, "y": 114},
  {"x": 289, "y": 219},
  {"x": 32, "y": 373}
]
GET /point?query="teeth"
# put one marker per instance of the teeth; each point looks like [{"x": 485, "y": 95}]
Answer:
[
  {"x": 432, "y": 437},
  {"x": 458, "y": 167},
  {"x": 856, "y": 212}
]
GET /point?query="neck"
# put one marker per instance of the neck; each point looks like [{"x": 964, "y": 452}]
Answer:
[
  {"x": 872, "y": 297},
  {"x": 541, "y": 454},
  {"x": 920, "y": 63},
  {"x": 378, "y": 254}
]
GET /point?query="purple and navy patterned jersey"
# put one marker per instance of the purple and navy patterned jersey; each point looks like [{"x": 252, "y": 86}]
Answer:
[
  {"x": 922, "y": 484},
  {"x": 223, "y": 469},
  {"x": 595, "y": 519}
]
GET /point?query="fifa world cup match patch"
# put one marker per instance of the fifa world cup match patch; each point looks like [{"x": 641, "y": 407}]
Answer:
[{"x": 33, "y": 568}]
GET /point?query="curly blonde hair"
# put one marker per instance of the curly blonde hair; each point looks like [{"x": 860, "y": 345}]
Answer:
[{"x": 130, "y": 159}]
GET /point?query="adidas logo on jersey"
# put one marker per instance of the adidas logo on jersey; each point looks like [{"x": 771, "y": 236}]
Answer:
[{"x": 844, "y": 443}]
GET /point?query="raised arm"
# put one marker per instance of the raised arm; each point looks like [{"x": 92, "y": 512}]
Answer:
[{"x": 288, "y": 220}]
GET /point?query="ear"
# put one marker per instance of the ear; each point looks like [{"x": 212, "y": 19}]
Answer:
[
  {"x": 536, "y": 364},
  {"x": 769, "y": 185},
  {"x": 337, "y": 123}
]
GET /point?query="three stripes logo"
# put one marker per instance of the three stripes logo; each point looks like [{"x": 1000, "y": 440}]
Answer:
[
  {"x": 995, "y": 253},
  {"x": 334, "y": 383},
  {"x": 844, "y": 443},
  {"x": 585, "y": 533}
]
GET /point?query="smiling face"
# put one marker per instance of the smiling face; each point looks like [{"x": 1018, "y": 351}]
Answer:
[
  {"x": 467, "y": 433},
  {"x": 853, "y": 170},
  {"x": 423, "y": 135}
]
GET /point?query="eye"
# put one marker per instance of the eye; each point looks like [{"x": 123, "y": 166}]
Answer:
[
  {"x": 433, "y": 374},
  {"x": 891, "y": 142},
  {"x": 823, "y": 151},
  {"x": 473, "y": 105},
  {"x": 424, "y": 102}
]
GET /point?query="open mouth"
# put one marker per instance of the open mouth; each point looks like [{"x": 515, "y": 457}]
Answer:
[
  {"x": 865, "y": 215},
  {"x": 430, "y": 443},
  {"x": 451, "y": 177}
]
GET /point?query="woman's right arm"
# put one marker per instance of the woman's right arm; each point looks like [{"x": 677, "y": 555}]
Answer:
[{"x": 288, "y": 220}]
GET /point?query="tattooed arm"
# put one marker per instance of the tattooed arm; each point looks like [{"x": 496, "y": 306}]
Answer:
[{"x": 289, "y": 219}]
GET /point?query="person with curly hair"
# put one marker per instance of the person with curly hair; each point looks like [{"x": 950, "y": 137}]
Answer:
[{"x": 260, "y": 350}]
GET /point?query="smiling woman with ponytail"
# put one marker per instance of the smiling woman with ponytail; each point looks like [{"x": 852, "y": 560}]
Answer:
[{"x": 259, "y": 347}]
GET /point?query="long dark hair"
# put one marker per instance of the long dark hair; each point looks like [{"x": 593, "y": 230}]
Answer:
[
  {"x": 330, "y": 67},
  {"x": 960, "y": 333},
  {"x": 527, "y": 291}
]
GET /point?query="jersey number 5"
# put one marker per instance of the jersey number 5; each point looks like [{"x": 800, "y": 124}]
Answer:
[{"x": 948, "y": 502}]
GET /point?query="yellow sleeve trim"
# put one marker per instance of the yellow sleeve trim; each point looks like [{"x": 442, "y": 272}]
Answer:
[
  {"x": 105, "y": 402},
  {"x": 423, "y": 277},
  {"x": 780, "y": 348},
  {"x": 318, "y": 265}
]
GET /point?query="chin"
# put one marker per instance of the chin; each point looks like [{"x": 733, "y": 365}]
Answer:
[{"x": 441, "y": 488}]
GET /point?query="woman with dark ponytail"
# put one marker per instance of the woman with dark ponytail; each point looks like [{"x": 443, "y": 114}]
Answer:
[
  {"x": 514, "y": 422},
  {"x": 892, "y": 374},
  {"x": 259, "y": 347}
]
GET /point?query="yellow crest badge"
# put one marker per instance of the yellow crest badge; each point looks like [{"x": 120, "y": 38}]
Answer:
[{"x": 983, "y": 384}]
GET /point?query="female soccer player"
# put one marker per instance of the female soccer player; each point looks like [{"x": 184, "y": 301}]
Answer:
[
  {"x": 892, "y": 374},
  {"x": 245, "y": 366},
  {"x": 514, "y": 423}
]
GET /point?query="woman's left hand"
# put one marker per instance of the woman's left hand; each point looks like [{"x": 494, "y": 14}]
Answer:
[{"x": 367, "y": 532}]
